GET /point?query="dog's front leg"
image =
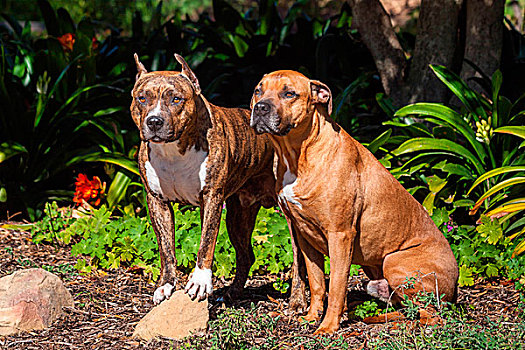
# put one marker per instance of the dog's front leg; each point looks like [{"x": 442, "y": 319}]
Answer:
[
  {"x": 200, "y": 284},
  {"x": 161, "y": 214},
  {"x": 340, "y": 246}
]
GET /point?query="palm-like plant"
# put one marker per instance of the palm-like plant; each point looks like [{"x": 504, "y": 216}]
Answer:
[{"x": 471, "y": 148}]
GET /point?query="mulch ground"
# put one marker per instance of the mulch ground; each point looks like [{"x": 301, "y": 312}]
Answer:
[{"x": 109, "y": 304}]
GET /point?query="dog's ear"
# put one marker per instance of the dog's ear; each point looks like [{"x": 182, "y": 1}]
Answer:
[
  {"x": 321, "y": 94},
  {"x": 140, "y": 67},
  {"x": 188, "y": 73}
]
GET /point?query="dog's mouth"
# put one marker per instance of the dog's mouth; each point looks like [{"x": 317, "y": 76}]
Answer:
[
  {"x": 163, "y": 138},
  {"x": 271, "y": 125},
  {"x": 286, "y": 130}
]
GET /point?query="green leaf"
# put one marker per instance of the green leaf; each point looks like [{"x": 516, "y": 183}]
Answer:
[
  {"x": 430, "y": 144},
  {"x": 113, "y": 158},
  {"x": 454, "y": 169},
  {"x": 512, "y": 130},
  {"x": 495, "y": 172},
  {"x": 428, "y": 202},
  {"x": 463, "y": 92},
  {"x": 499, "y": 186},
  {"x": 440, "y": 216},
  {"x": 239, "y": 44},
  {"x": 379, "y": 141},
  {"x": 10, "y": 149},
  {"x": 463, "y": 203},
  {"x": 497, "y": 79},
  {"x": 491, "y": 270},
  {"x": 490, "y": 229},
  {"x": 3, "y": 195},
  {"x": 117, "y": 189},
  {"x": 465, "y": 276},
  {"x": 436, "y": 184},
  {"x": 449, "y": 116},
  {"x": 386, "y": 104},
  {"x": 38, "y": 116}
]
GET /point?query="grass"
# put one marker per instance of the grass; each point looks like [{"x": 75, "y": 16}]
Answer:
[{"x": 251, "y": 328}]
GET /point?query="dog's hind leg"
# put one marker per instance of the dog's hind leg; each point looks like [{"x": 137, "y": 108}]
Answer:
[
  {"x": 240, "y": 221},
  {"x": 423, "y": 268},
  {"x": 314, "y": 261}
]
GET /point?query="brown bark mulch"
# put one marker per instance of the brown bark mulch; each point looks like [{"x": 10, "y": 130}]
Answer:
[{"x": 108, "y": 304}]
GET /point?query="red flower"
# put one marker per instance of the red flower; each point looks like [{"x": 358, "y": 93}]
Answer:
[
  {"x": 67, "y": 40},
  {"x": 87, "y": 190},
  {"x": 94, "y": 43}
]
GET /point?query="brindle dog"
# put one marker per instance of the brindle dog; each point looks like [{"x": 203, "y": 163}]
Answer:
[{"x": 193, "y": 152}]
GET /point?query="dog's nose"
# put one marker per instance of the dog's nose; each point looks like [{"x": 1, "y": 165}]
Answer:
[
  {"x": 154, "y": 123},
  {"x": 261, "y": 108}
]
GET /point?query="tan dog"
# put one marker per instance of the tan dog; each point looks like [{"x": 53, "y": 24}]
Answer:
[
  {"x": 193, "y": 152},
  {"x": 343, "y": 203}
]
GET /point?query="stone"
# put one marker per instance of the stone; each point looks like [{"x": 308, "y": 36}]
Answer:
[
  {"x": 174, "y": 318},
  {"x": 31, "y": 299}
]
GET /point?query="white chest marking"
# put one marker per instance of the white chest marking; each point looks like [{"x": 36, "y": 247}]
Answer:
[
  {"x": 175, "y": 176},
  {"x": 289, "y": 182}
]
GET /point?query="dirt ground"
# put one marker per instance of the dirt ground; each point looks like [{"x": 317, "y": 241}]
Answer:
[{"x": 109, "y": 304}]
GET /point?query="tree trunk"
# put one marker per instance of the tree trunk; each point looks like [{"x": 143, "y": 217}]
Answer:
[
  {"x": 484, "y": 37},
  {"x": 377, "y": 33},
  {"x": 436, "y": 41}
]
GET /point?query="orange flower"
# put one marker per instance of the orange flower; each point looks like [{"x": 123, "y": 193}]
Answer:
[
  {"x": 67, "y": 40},
  {"x": 87, "y": 190}
]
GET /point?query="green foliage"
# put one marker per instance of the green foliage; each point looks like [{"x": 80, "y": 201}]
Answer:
[
  {"x": 50, "y": 228},
  {"x": 270, "y": 240},
  {"x": 232, "y": 326},
  {"x": 450, "y": 158},
  {"x": 281, "y": 285},
  {"x": 498, "y": 205},
  {"x": 129, "y": 241},
  {"x": 484, "y": 251},
  {"x": 458, "y": 332},
  {"x": 55, "y": 110},
  {"x": 451, "y": 149},
  {"x": 251, "y": 328},
  {"x": 367, "y": 309}
]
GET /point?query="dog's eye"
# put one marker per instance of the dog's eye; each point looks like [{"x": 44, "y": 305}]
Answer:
[
  {"x": 176, "y": 100},
  {"x": 290, "y": 94},
  {"x": 257, "y": 92},
  {"x": 141, "y": 99}
]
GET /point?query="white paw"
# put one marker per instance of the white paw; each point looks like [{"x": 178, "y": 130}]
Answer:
[
  {"x": 162, "y": 293},
  {"x": 200, "y": 285}
]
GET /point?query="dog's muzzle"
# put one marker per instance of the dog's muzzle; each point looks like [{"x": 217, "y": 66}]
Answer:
[
  {"x": 155, "y": 129},
  {"x": 154, "y": 123},
  {"x": 265, "y": 120}
]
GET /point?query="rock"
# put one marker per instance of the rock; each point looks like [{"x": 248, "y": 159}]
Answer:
[
  {"x": 174, "y": 318},
  {"x": 31, "y": 299}
]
